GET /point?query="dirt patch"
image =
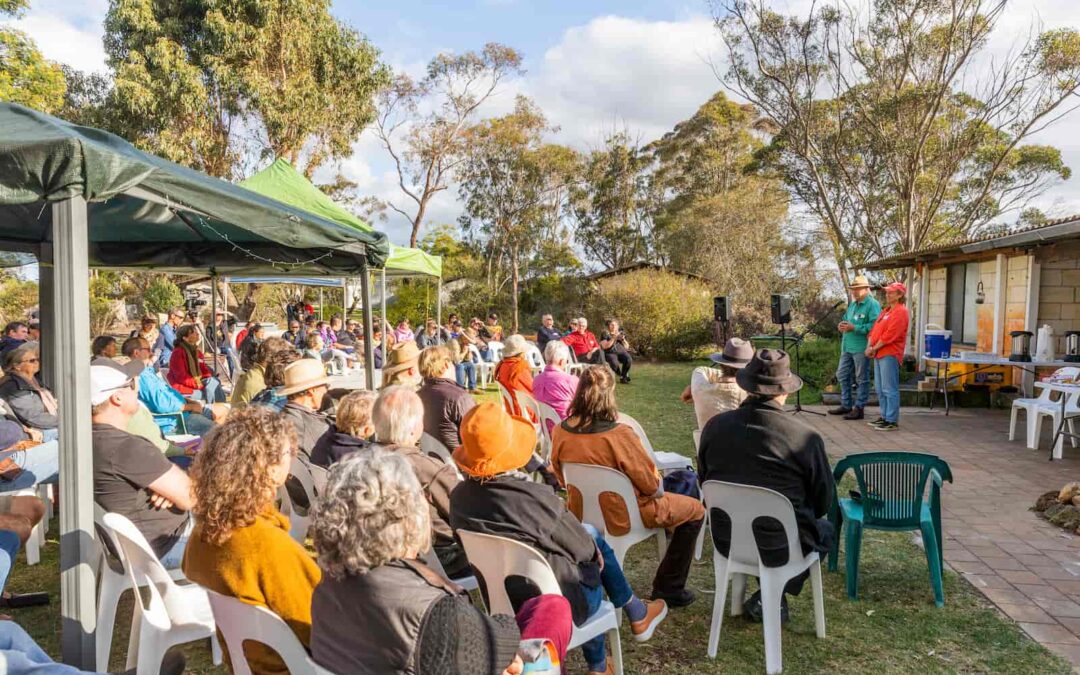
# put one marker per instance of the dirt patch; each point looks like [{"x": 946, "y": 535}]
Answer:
[{"x": 1062, "y": 513}]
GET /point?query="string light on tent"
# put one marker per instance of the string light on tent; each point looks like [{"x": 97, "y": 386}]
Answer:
[{"x": 276, "y": 264}]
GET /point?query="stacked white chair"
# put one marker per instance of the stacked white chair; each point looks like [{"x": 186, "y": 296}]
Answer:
[
  {"x": 112, "y": 580},
  {"x": 665, "y": 461},
  {"x": 1036, "y": 408},
  {"x": 592, "y": 481},
  {"x": 240, "y": 622},
  {"x": 499, "y": 557},
  {"x": 743, "y": 504},
  {"x": 485, "y": 370},
  {"x": 174, "y": 614}
]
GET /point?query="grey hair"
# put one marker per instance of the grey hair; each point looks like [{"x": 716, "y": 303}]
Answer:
[
  {"x": 398, "y": 411},
  {"x": 546, "y": 316},
  {"x": 555, "y": 351},
  {"x": 16, "y": 355},
  {"x": 372, "y": 511},
  {"x": 583, "y": 320},
  {"x": 574, "y": 322}
]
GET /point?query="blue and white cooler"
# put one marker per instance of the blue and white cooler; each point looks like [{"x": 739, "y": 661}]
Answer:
[{"x": 937, "y": 342}]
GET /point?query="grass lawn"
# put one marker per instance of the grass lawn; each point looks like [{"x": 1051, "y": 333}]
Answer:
[{"x": 893, "y": 628}]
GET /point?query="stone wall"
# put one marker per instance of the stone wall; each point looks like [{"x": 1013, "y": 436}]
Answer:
[
  {"x": 936, "y": 299},
  {"x": 1016, "y": 293},
  {"x": 1016, "y": 277},
  {"x": 1059, "y": 291}
]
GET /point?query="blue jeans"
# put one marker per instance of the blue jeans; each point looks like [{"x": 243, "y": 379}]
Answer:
[
  {"x": 9, "y": 548},
  {"x": 853, "y": 371},
  {"x": 50, "y": 435},
  {"x": 487, "y": 355},
  {"x": 887, "y": 383},
  {"x": 20, "y": 655},
  {"x": 40, "y": 464},
  {"x": 465, "y": 372},
  {"x": 618, "y": 590},
  {"x": 197, "y": 424},
  {"x": 211, "y": 391},
  {"x": 174, "y": 556},
  {"x": 233, "y": 359}
]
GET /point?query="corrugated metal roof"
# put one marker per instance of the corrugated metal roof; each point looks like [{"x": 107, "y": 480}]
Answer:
[{"x": 959, "y": 243}]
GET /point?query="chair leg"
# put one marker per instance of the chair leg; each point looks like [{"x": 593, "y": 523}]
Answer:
[
  {"x": 853, "y": 547},
  {"x": 134, "y": 635},
  {"x": 1034, "y": 430},
  {"x": 933, "y": 560},
  {"x": 112, "y": 588},
  {"x": 819, "y": 598},
  {"x": 215, "y": 649},
  {"x": 1012, "y": 423},
  {"x": 720, "y": 573},
  {"x": 616, "y": 650},
  {"x": 772, "y": 590},
  {"x": 738, "y": 593},
  {"x": 700, "y": 547},
  {"x": 834, "y": 550}
]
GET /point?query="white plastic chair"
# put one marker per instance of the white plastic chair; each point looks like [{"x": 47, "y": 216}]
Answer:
[
  {"x": 507, "y": 397},
  {"x": 112, "y": 580},
  {"x": 240, "y": 622},
  {"x": 300, "y": 522},
  {"x": 575, "y": 367},
  {"x": 743, "y": 504},
  {"x": 549, "y": 419},
  {"x": 592, "y": 481},
  {"x": 174, "y": 615},
  {"x": 530, "y": 409},
  {"x": 430, "y": 445},
  {"x": 485, "y": 370},
  {"x": 1034, "y": 409},
  {"x": 665, "y": 461},
  {"x": 496, "y": 349},
  {"x": 429, "y": 558},
  {"x": 37, "y": 534},
  {"x": 499, "y": 557},
  {"x": 534, "y": 358}
]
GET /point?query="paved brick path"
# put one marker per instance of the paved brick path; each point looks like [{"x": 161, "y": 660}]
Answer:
[{"x": 1029, "y": 568}]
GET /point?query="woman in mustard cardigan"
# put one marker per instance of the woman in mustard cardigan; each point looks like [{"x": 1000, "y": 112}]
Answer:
[{"x": 241, "y": 545}]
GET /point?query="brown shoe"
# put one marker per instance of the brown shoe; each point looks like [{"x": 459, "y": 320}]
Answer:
[
  {"x": 839, "y": 410},
  {"x": 655, "y": 613},
  {"x": 855, "y": 414},
  {"x": 607, "y": 671}
]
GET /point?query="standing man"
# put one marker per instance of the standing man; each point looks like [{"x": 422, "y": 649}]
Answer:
[
  {"x": 166, "y": 341},
  {"x": 616, "y": 350},
  {"x": 547, "y": 332},
  {"x": 887, "y": 340},
  {"x": 854, "y": 368}
]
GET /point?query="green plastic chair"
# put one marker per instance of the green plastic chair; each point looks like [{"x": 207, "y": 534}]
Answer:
[{"x": 891, "y": 485}]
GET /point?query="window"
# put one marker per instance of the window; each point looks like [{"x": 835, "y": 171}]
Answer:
[{"x": 961, "y": 312}]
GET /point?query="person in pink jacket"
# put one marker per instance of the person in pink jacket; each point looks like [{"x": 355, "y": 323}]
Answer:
[{"x": 555, "y": 386}]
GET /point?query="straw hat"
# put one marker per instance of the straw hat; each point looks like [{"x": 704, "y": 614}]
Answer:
[
  {"x": 514, "y": 345},
  {"x": 403, "y": 356},
  {"x": 493, "y": 441},
  {"x": 860, "y": 281},
  {"x": 301, "y": 375},
  {"x": 769, "y": 373}
]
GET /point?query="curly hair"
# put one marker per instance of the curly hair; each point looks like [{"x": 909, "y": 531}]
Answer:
[
  {"x": 269, "y": 347},
  {"x": 594, "y": 400},
  {"x": 231, "y": 474},
  {"x": 276, "y": 364},
  {"x": 372, "y": 511}
]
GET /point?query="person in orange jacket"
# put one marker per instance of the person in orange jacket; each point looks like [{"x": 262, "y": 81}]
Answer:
[
  {"x": 513, "y": 372},
  {"x": 886, "y": 346}
]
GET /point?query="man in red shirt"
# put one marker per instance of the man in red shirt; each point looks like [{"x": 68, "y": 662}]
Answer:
[
  {"x": 585, "y": 345},
  {"x": 885, "y": 345}
]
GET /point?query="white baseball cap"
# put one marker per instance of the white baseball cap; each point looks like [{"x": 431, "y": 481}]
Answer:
[{"x": 104, "y": 381}]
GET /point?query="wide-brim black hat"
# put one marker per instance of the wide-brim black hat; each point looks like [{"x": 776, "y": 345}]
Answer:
[{"x": 769, "y": 374}]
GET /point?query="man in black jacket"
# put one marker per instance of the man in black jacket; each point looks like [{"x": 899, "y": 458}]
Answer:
[{"x": 758, "y": 444}]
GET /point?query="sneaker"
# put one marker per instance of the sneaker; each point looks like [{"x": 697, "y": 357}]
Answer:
[
  {"x": 855, "y": 414},
  {"x": 677, "y": 599},
  {"x": 887, "y": 426},
  {"x": 753, "y": 613},
  {"x": 840, "y": 410},
  {"x": 655, "y": 613},
  {"x": 624, "y": 380},
  {"x": 878, "y": 422}
]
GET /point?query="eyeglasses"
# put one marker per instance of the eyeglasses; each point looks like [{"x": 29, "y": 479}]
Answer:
[{"x": 33, "y": 360}]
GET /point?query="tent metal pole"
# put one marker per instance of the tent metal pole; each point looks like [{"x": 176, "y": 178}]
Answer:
[
  {"x": 386, "y": 324},
  {"x": 213, "y": 321},
  {"x": 320, "y": 305},
  {"x": 438, "y": 311},
  {"x": 72, "y": 376},
  {"x": 45, "y": 314},
  {"x": 369, "y": 348}
]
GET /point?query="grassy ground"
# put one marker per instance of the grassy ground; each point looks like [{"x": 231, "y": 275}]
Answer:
[{"x": 893, "y": 628}]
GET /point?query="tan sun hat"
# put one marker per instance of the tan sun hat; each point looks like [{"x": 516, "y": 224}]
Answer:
[
  {"x": 514, "y": 345},
  {"x": 860, "y": 281},
  {"x": 402, "y": 356},
  {"x": 301, "y": 375}
]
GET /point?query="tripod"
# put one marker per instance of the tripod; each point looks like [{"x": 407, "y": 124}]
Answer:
[{"x": 797, "y": 341}]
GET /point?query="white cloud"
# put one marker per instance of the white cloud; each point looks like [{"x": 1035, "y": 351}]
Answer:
[{"x": 71, "y": 40}]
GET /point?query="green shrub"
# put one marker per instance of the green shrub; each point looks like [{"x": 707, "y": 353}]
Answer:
[
  {"x": 161, "y": 295},
  {"x": 16, "y": 297},
  {"x": 665, "y": 315}
]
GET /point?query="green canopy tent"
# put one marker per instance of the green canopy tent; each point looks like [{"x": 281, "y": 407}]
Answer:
[
  {"x": 77, "y": 197},
  {"x": 283, "y": 182}
]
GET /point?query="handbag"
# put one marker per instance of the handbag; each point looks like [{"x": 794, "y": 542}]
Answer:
[{"x": 9, "y": 470}]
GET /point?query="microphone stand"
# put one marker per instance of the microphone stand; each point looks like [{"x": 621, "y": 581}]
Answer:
[{"x": 797, "y": 340}]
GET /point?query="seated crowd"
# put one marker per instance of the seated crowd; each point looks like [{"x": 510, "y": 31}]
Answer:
[{"x": 381, "y": 594}]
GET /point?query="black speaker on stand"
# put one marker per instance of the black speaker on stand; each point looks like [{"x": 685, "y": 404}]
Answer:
[{"x": 721, "y": 320}]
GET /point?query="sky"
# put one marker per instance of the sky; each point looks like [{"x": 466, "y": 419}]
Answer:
[{"x": 594, "y": 67}]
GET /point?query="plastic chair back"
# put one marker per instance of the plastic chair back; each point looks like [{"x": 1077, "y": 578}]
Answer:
[
  {"x": 592, "y": 482},
  {"x": 497, "y": 558},
  {"x": 240, "y": 622},
  {"x": 534, "y": 357},
  {"x": 528, "y": 406},
  {"x": 744, "y": 504},
  {"x": 433, "y": 447},
  {"x": 475, "y": 352},
  {"x": 549, "y": 419},
  {"x": 892, "y": 485},
  {"x": 508, "y": 399},
  {"x": 299, "y": 522},
  {"x": 496, "y": 349},
  {"x": 166, "y": 604}
]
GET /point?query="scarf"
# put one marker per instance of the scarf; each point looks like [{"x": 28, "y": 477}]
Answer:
[
  {"x": 47, "y": 399},
  {"x": 192, "y": 355}
]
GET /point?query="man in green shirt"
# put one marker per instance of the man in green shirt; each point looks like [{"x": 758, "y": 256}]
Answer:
[{"x": 854, "y": 369}]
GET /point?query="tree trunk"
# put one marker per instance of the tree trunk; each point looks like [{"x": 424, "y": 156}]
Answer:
[
  {"x": 514, "y": 284},
  {"x": 246, "y": 309}
]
